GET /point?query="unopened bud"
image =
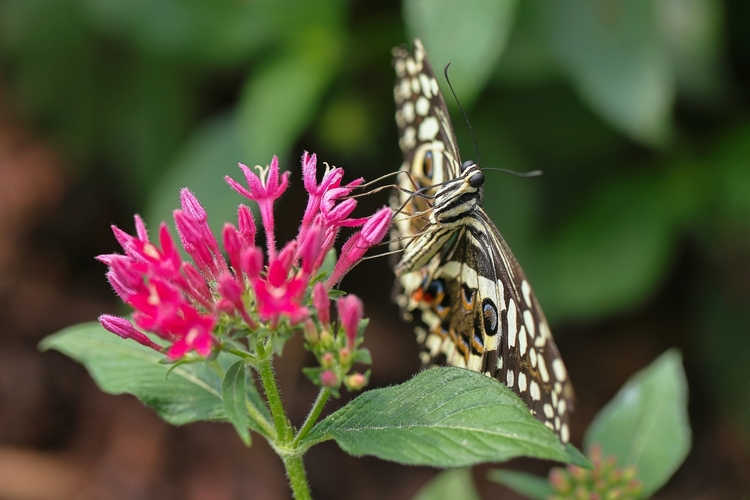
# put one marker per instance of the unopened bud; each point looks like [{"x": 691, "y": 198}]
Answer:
[
  {"x": 355, "y": 382},
  {"x": 327, "y": 360},
  {"x": 329, "y": 379},
  {"x": 326, "y": 339},
  {"x": 311, "y": 332},
  {"x": 345, "y": 356}
]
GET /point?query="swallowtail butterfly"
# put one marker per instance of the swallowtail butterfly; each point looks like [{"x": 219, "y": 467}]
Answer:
[{"x": 456, "y": 278}]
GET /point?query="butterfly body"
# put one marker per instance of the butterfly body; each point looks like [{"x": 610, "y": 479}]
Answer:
[{"x": 459, "y": 282}]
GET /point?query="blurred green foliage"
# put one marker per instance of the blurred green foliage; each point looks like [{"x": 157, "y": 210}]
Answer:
[{"x": 636, "y": 110}]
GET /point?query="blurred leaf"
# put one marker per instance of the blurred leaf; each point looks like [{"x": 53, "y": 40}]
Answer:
[
  {"x": 646, "y": 424},
  {"x": 195, "y": 31},
  {"x": 233, "y": 392},
  {"x": 210, "y": 154},
  {"x": 346, "y": 126},
  {"x": 148, "y": 117},
  {"x": 469, "y": 35},
  {"x": 449, "y": 485},
  {"x": 613, "y": 53},
  {"x": 279, "y": 100},
  {"x": 528, "y": 485},
  {"x": 733, "y": 162},
  {"x": 443, "y": 417},
  {"x": 610, "y": 256},
  {"x": 527, "y": 60},
  {"x": 187, "y": 393},
  {"x": 692, "y": 31},
  {"x": 57, "y": 68}
]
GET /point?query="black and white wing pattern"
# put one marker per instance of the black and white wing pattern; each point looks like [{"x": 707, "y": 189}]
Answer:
[{"x": 456, "y": 278}]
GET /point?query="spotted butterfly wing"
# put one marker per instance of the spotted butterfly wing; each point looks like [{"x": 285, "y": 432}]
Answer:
[{"x": 457, "y": 278}]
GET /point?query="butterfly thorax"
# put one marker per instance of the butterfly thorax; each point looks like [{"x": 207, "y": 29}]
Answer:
[{"x": 453, "y": 208}]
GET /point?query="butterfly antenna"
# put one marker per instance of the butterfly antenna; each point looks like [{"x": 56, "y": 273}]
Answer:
[
  {"x": 533, "y": 173},
  {"x": 466, "y": 118}
]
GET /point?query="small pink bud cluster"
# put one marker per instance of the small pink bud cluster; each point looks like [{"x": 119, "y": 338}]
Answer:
[
  {"x": 189, "y": 304},
  {"x": 604, "y": 482},
  {"x": 336, "y": 351}
]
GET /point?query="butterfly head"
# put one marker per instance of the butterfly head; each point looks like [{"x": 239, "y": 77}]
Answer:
[{"x": 471, "y": 172}]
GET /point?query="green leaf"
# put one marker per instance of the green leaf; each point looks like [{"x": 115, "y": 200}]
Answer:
[
  {"x": 449, "y": 485},
  {"x": 529, "y": 485},
  {"x": 646, "y": 424},
  {"x": 693, "y": 34},
  {"x": 625, "y": 222},
  {"x": 233, "y": 391},
  {"x": 469, "y": 35},
  {"x": 443, "y": 417},
  {"x": 614, "y": 54},
  {"x": 190, "y": 392}
]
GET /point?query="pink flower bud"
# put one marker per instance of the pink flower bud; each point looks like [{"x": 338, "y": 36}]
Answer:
[
  {"x": 246, "y": 225},
  {"x": 372, "y": 232},
  {"x": 125, "y": 329},
  {"x": 322, "y": 303},
  {"x": 350, "y": 314},
  {"x": 191, "y": 206},
  {"x": 252, "y": 262},
  {"x": 329, "y": 379}
]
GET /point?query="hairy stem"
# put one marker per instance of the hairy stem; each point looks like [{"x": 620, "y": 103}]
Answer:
[{"x": 312, "y": 417}]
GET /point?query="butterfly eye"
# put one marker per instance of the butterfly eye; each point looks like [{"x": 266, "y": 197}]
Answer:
[
  {"x": 466, "y": 165},
  {"x": 476, "y": 180},
  {"x": 427, "y": 164}
]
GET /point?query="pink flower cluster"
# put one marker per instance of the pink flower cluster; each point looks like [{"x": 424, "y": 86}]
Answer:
[{"x": 182, "y": 302}]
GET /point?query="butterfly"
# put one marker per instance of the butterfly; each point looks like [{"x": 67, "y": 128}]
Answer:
[{"x": 457, "y": 279}]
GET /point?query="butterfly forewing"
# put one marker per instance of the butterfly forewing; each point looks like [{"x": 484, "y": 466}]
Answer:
[{"x": 457, "y": 278}]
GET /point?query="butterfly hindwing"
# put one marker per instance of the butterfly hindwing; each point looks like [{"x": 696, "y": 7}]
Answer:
[{"x": 457, "y": 278}]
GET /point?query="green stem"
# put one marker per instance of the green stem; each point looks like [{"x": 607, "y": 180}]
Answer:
[
  {"x": 312, "y": 417},
  {"x": 283, "y": 427},
  {"x": 295, "y": 471}
]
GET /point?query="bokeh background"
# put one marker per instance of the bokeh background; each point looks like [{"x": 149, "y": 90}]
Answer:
[{"x": 636, "y": 238}]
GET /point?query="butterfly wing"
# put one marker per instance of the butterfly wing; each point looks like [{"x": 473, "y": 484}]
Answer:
[
  {"x": 425, "y": 134},
  {"x": 477, "y": 310}
]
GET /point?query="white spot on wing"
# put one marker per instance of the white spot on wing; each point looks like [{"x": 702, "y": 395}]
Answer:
[
  {"x": 423, "y": 106},
  {"x": 433, "y": 344},
  {"x": 559, "y": 368},
  {"x": 532, "y": 357},
  {"x": 536, "y": 394},
  {"x": 475, "y": 363},
  {"x": 526, "y": 290},
  {"x": 434, "y": 86},
  {"x": 522, "y": 381},
  {"x": 411, "y": 66},
  {"x": 542, "y": 368},
  {"x": 426, "y": 87},
  {"x": 409, "y": 139},
  {"x": 549, "y": 412},
  {"x": 406, "y": 88},
  {"x": 499, "y": 363},
  {"x": 511, "y": 324},
  {"x": 408, "y": 111},
  {"x": 564, "y": 433},
  {"x": 562, "y": 407},
  {"x": 415, "y": 85},
  {"x": 528, "y": 319},
  {"x": 428, "y": 129},
  {"x": 510, "y": 379},
  {"x": 522, "y": 341}
]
